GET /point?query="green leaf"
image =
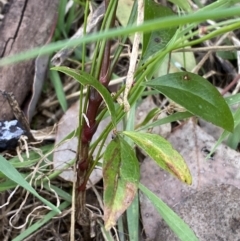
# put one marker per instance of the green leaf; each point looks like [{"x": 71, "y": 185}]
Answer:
[
  {"x": 10, "y": 172},
  {"x": 236, "y": 117},
  {"x": 124, "y": 11},
  {"x": 197, "y": 95},
  {"x": 120, "y": 176},
  {"x": 87, "y": 79},
  {"x": 162, "y": 153},
  {"x": 6, "y": 184},
  {"x": 155, "y": 41},
  {"x": 150, "y": 116},
  {"x": 234, "y": 138},
  {"x": 178, "y": 226}
]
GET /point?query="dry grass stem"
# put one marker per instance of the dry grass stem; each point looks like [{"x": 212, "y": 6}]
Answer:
[{"x": 134, "y": 57}]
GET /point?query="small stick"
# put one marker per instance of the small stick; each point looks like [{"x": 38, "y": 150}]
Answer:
[{"x": 134, "y": 57}]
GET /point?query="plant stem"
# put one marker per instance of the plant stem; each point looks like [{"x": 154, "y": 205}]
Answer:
[{"x": 89, "y": 128}]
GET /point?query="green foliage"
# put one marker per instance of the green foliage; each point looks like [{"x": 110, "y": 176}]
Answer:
[
  {"x": 163, "y": 32},
  {"x": 12, "y": 174},
  {"x": 86, "y": 79},
  {"x": 120, "y": 176},
  {"x": 154, "y": 41},
  {"x": 57, "y": 84},
  {"x": 148, "y": 26},
  {"x": 197, "y": 95},
  {"x": 162, "y": 153}
]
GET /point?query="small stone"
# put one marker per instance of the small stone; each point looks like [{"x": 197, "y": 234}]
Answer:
[{"x": 10, "y": 132}]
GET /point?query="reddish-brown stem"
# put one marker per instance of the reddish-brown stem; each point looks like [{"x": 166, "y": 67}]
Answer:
[{"x": 88, "y": 130}]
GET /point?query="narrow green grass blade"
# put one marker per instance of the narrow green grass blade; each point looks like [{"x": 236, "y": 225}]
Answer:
[
  {"x": 120, "y": 228},
  {"x": 34, "y": 157},
  {"x": 178, "y": 226},
  {"x": 133, "y": 220},
  {"x": 234, "y": 138},
  {"x": 57, "y": 84},
  {"x": 61, "y": 17},
  {"x": 106, "y": 234},
  {"x": 148, "y": 26},
  {"x": 7, "y": 185},
  {"x": 61, "y": 193},
  {"x": 236, "y": 117},
  {"x": 10, "y": 172},
  {"x": 174, "y": 117}
]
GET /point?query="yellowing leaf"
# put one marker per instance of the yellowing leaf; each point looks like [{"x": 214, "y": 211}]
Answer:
[
  {"x": 120, "y": 177},
  {"x": 162, "y": 153}
]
